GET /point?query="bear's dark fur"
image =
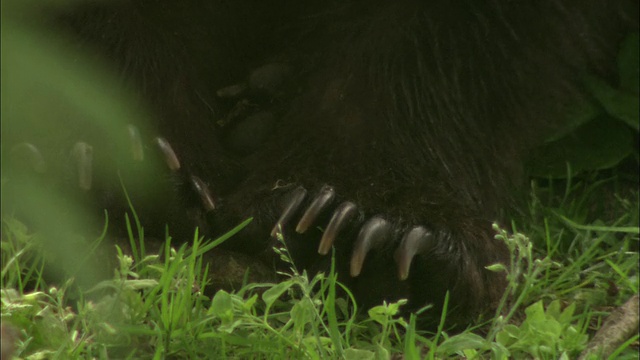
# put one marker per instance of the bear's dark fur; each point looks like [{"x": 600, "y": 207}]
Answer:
[{"x": 417, "y": 112}]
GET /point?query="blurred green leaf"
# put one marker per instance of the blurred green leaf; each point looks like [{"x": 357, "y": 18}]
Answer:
[
  {"x": 222, "y": 306},
  {"x": 620, "y": 105},
  {"x": 599, "y": 144},
  {"x": 629, "y": 64},
  {"x": 272, "y": 294}
]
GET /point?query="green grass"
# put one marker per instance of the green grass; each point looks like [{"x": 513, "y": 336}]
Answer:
[{"x": 581, "y": 262}]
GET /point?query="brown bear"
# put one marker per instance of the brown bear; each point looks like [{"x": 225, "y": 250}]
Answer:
[{"x": 391, "y": 131}]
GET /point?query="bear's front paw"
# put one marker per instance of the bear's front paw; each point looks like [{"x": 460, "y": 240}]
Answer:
[{"x": 383, "y": 258}]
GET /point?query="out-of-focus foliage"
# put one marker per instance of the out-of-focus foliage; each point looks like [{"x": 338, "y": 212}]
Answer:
[
  {"x": 52, "y": 97},
  {"x": 599, "y": 133}
]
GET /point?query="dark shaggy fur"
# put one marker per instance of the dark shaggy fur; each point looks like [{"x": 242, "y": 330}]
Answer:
[{"x": 419, "y": 112}]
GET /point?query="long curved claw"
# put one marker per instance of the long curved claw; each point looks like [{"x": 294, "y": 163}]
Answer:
[
  {"x": 416, "y": 240},
  {"x": 83, "y": 155},
  {"x": 203, "y": 190},
  {"x": 297, "y": 196},
  {"x": 137, "y": 151},
  {"x": 320, "y": 203},
  {"x": 341, "y": 217},
  {"x": 373, "y": 232},
  {"x": 29, "y": 153},
  {"x": 170, "y": 157}
]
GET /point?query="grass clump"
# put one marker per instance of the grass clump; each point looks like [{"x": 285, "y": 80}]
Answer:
[{"x": 573, "y": 268}]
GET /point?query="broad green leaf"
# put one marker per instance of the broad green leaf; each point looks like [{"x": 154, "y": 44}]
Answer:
[
  {"x": 535, "y": 312},
  {"x": 629, "y": 64},
  {"x": 464, "y": 341},
  {"x": 553, "y": 309},
  {"x": 620, "y": 105},
  {"x": 271, "y": 295},
  {"x": 567, "y": 314},
  {"x": 302, "y": 313},
  {"x": 357, "y": 354},
  {"x": 599, "y": 144},
  {"x": 222, "y": 306}
]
